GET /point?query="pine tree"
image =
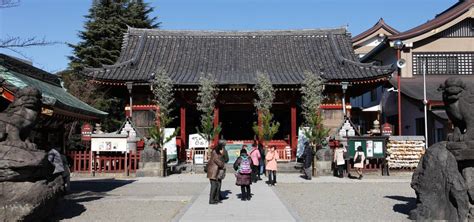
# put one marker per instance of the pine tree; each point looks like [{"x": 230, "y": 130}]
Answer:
[
  {"x": 106, "y": 23},
  {"x": 206, "y": 104},
  {"x": 100, "y": 44},
  {"x": 266, "y": 95},
  {"x": 312, "y": 96}
]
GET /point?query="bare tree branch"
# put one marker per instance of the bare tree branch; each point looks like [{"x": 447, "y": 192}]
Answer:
[
  {"x": 9, "y": 3},
  {"x": 17, "y": 42}
]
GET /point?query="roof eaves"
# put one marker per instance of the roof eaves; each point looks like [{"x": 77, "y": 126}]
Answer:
[{"x": 443, "y": 18}]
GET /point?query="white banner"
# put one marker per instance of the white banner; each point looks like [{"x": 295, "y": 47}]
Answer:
[
  {"x": 197, "y": 141},
  {"x": 170, "y": 146}
]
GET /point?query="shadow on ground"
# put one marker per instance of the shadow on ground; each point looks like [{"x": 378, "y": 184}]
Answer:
[
  {"x": 404, "y": 208},
  {"x": 84, "y": 191}
]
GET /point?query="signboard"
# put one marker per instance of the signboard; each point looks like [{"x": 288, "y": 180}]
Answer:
[
  {"x": 233, "y": 150},
  {"x": 301, "y": 140},
  {"x": 199, "y": 159},
  {"x": 118, "y": 144},
  {"x": 170, "y": 146},
  {"x": 387, "y": 129},
  {"x": 86, "y": 132},
  {"x": 378, "y": 147},
  {"x": 370, "y": 148},
  {"x": 197, "y": 141}
]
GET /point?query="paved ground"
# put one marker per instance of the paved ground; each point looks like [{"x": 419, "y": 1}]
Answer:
[
  {"x": 142, "y": 199},
  {"x": 264, "y": 200},
  {"x": 185, "y": 198},
  {"x": 335, "y": 199}
]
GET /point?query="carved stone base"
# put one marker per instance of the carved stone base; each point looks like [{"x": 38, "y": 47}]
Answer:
[
  {"x": 18, "y": 163},
  {"x": 149, "y": 169},
  {"x": 442, "y": 191},
  {"x": 29, "y": 201}
]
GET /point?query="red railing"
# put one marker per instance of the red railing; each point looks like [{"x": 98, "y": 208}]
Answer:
[
  {"x": 282, "y": 147},
  {"x": 81, "y": 161}
]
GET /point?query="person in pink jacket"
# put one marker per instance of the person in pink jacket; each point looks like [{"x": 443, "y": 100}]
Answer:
[
  {"x": 271, "y": 157},
  {"x": 255, "y": 155}
]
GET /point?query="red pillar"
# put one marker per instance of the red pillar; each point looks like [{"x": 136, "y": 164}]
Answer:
[
  {"x": 294, "y": 137},
  {"x": 216, "y": 123},
  {"x": 182, "y": 128}
]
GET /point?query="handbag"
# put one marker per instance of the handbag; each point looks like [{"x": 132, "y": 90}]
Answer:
[
  {"x": 358, "y": 159},
  {"x": 221, "y": 174}
]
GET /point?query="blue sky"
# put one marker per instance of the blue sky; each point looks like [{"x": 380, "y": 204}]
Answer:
[{"x": 61, "y": 20}]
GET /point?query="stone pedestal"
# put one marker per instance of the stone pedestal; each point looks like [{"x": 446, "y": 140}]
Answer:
[
  {"x": 28, "y": 189},
  {"x": 323, "y": 168},
  {"x": 149, "y": 169},
  {"x": 443, "y": 183}
]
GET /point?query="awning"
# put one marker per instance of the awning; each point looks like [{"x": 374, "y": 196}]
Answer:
[{"x": 375, "y": 108}]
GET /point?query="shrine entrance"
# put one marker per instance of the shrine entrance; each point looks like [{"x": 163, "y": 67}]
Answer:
[{"x": 237, "y": 122}]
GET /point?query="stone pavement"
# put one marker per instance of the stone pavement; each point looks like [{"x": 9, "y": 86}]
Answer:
[{"x": 264, "y": 206}]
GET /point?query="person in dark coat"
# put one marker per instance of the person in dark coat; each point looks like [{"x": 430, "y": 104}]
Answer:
[
  {"x": 243, "y": 174},
  {"x": 215, "y": 163},
  {"x": 262, "y": 160},
  {"x": 308, "y": 160},
  {"x": 225, "y": 159}
]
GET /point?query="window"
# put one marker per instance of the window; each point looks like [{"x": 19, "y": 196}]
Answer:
[{"x": 443, "y": 63}]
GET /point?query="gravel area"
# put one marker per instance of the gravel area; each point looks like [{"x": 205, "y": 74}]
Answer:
[
  {"x": 126, "y": 200},
  {"x": 348, "y": 201}
]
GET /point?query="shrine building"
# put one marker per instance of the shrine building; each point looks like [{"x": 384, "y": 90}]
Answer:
[{"x": 235, "y": 58}]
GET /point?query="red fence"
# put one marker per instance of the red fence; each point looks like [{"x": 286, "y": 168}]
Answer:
[
  {"x": 282, "y": 148},
  {"x": 103, "y": 163}
]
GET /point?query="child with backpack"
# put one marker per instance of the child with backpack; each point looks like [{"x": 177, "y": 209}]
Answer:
[{"x": 243, "y": 168}]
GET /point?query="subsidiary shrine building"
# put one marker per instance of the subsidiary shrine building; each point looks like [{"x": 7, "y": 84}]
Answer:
[{"x": 235, "y": 58}]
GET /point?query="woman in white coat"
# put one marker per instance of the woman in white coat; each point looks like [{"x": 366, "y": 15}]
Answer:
[
  {"x": 339, "y": 160},
  {"x": 359, "y": 159}
]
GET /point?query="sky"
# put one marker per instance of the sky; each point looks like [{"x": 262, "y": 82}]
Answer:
[{"x": 61, "y": 20}]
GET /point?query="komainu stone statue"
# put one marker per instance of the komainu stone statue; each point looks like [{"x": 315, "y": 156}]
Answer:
[
  {"x": 28, "y": 188},
  {"x": 444, "y": 178}
]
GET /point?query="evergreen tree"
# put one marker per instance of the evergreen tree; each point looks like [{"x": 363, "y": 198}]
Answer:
[
  {"x": 266, "y": 95},
  {"x": 101, "y": 42},
  {"x": 106, "y": 23},
  {"x": 207, "y": 99}
]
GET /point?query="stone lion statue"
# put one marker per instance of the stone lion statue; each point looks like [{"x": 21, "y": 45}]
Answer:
[
  {"x": 458, "y": 98},
  {"x": 17, "y": 121}
]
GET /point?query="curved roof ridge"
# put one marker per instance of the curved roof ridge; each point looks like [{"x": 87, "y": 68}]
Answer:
[
  {"x": 155, "y": 32},
  {"x": 380, "y": 24},
  {"x": 343, "y": 60},
  {"x": 446, "y": 16}
]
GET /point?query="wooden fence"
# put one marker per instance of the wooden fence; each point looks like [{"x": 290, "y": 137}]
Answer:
[{"x": 106, "y": 162}]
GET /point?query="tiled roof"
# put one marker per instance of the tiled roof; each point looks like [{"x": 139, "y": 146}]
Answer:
[
  {"x": 379, "y": 25},
  {"x": 236, "y": 57},
  {"x": 413, "y": 87},
  {"x": 17, "y": 74},
  {"x": 448, "y": 15}
]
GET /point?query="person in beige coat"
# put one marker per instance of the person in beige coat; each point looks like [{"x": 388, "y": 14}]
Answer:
[
  {"x": 339, "y": 160},
  {"x": 359, "y": 159},
  {"x": 215, "y": 163}
]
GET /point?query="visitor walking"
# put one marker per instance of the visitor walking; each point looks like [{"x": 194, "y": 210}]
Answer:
[
  {"x": 339, "y": 160},
  {"x": 243, "y": 168},
  {"x": 262, "y": 161},
  {"x": 307, "y": 156},
  {"x": 215, "y": 163},
  {"x": 255, "y": 155},
  {"x": 359, "y": 159},
  {"x": 271, "y": 157}
]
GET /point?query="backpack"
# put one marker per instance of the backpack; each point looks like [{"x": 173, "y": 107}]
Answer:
[
  {"x": 358, "y": 159},
  {"x": 245, "y": 166}
]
